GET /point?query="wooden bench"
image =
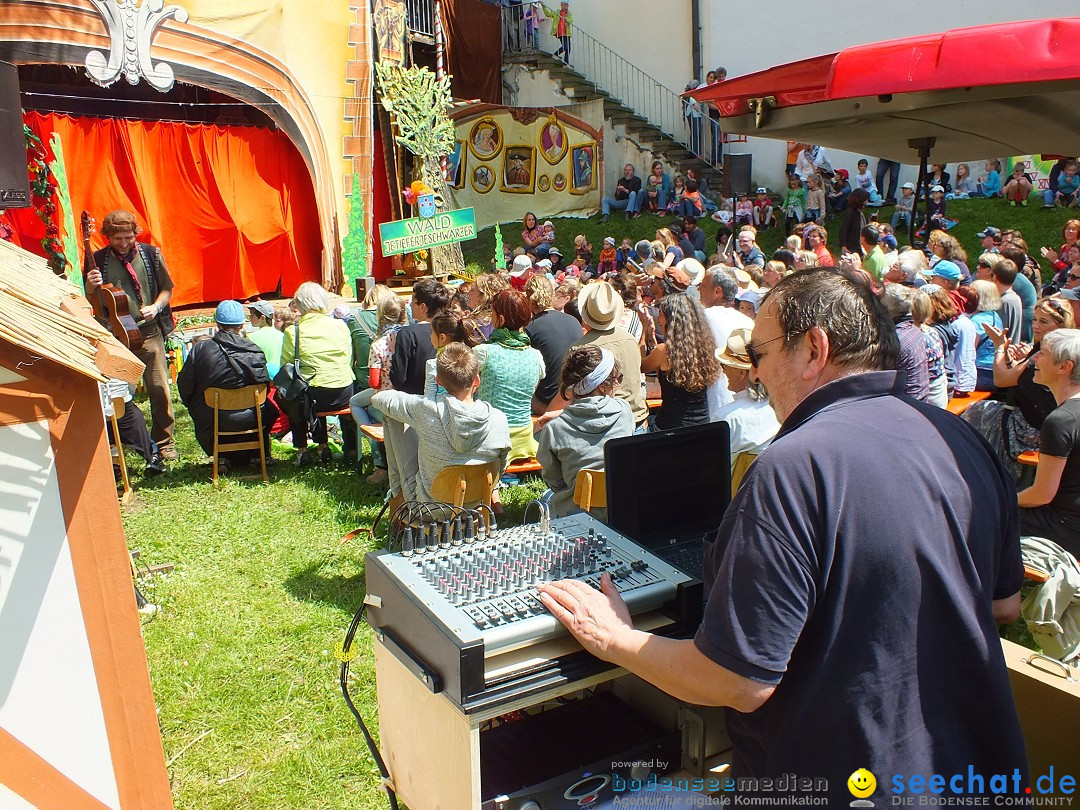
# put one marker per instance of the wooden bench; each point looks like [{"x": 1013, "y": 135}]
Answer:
[
  {"x": 654, "y": 403},
  {"x": 522, "y": 466},
  {"x": 958, "y": 405},
  {"x": 373, "y": 432}
]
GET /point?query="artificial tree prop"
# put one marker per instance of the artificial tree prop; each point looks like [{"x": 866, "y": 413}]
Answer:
[
  {"x": 418, "y": 102},
  {"x": 354, "y": 249}
]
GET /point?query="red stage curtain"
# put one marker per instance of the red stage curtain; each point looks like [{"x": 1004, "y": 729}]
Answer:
[{"x": 232, "y": 208}]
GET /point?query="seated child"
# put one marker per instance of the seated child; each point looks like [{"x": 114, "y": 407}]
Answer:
[
  {"x": 574, "y": 441},
  {"x": 903, "y": 206},
  {"x": 678, "y": 189},
  {"x": 693, "y": 204},
  {"x": 448, "y": 327},
  {"x": 839, "y": 189},
  {"x": 1018, "y": 187},
  {"x": 763, "y": 210},
  {"x": 625, "y": 251},
  {"x": 582, "y": 249},
  {"x": 964, "y": 185},
  {"x": 453, "y": 429},
  {"x": 608, "y": 262},
  {"x": 989, "y": 185},
  {"x": 548, "y": 231},
  {"x": 1068, "y": 185},
  {"x": 744, "y": 210},
  {"x": 653, "y": 191}
]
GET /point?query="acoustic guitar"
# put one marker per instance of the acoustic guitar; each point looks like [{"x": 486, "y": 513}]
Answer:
[{"x": 111, "y": 307}]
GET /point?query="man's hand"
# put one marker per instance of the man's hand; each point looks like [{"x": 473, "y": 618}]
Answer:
[
  {"x": 595, "y": 618},
  {"x": 150, "y": 312},
  {"x": 93, "y": 278}
]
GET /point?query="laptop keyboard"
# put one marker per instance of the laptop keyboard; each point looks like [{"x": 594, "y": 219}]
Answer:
[{"x": 687, "y": 559}]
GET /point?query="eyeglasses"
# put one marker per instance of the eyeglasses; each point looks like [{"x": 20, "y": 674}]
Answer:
[
  {"x": 1074, "y": 277},
  {"x": 752, "y": 353}
]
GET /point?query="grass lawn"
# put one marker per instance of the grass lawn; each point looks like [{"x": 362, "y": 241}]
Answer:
[
  {"x": 242, "y": 653},
  {"x": 1040, "y": 227}
]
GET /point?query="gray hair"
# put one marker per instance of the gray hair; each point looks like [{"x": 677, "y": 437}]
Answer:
[
  {"x": 897, "y": 300},
  {"x": 1064, "y": 345},
  {"x": 721, "y": 277},
  {"x": 911, "y": 263},
  {"x": 310, "y": 297},
  {"x": 861, "y": 334}
]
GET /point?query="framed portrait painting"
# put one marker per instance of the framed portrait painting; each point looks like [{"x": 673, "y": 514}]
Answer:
[
  {"x": 483, "y": 178},
  {"x": 485, "y": 138},
  {"x": 583, "y": 168},
  {"x": 553, "y": 141},
  {"x": 519, "y": 169}
]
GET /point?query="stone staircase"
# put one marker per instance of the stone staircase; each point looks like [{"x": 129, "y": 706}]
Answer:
[{"x": 668, "y": 145}]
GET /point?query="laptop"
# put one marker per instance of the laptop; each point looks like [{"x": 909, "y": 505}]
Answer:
[{"x": 666, "y": 491}]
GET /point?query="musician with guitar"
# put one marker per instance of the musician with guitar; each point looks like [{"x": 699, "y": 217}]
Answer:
[{"x": 139, "y": 271}]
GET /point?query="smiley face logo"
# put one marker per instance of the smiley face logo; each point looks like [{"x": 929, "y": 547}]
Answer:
[{"x": 862, "y": 783}]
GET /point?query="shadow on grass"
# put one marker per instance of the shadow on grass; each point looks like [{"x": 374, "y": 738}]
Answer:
[{"x": 313, "y": 584}]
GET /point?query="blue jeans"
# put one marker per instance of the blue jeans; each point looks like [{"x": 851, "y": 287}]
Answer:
[
  {"x": 628, "y": 204},
  {"x": 892, "y": 168},
  {"x": 898, "y": 217},
  {"x": 367, "y": 414}
]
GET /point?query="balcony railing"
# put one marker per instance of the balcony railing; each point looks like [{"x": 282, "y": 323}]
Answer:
[
  {"x": 421, "y": 18},
  {"x": 625, "y": 83}
]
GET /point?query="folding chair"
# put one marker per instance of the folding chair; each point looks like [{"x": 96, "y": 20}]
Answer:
[
  {"x": 465, "y": 483},
  {"x": 590, "y": 489}
]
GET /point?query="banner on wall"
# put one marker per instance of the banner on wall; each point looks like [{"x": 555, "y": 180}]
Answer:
[
  {"x": 509, "y": 160},
  {"x": 389, "y": 17}
]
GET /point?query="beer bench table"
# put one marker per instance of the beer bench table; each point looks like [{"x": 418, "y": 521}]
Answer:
[{"x": 958, "y": 405}]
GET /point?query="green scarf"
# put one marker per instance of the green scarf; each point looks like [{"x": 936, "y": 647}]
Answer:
[{"x": 510, "y": 340}]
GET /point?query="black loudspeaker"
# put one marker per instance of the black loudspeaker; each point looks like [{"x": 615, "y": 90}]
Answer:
[
  {"x": 14, "y": 183},
  {"x": 737, "y": 175}
]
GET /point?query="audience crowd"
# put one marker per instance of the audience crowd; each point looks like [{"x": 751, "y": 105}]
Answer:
[{"x": 546, "y": 360}]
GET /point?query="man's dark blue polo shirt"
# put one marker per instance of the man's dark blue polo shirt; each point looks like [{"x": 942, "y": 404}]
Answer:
[{"x": 855, "y": 569}]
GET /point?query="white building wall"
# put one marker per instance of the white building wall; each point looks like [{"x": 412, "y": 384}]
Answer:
[
  {"x": 615, "y": 34},
  {"x": 737, "y": 38}
]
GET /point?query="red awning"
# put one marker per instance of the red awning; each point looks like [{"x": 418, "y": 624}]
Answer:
[{"x": 989, "y": 91}]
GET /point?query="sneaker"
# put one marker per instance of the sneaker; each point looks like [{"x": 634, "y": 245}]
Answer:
[
  {"x": 303, "y": 459},
  {"x": 380, "y": 476},
  {"x": 223, "y": 466},
  {"x": 1023, "y": 203},
  {"x": 890, "y": 201},
  {"x": 605, "y": 217},
  {"x": 156, "y": 465}
]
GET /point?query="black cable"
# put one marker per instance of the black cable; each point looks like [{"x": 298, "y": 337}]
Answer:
[{"x": 372, "y": 747}]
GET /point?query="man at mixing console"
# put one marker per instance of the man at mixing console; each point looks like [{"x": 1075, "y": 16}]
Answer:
[{"x": 844, "y": 628}]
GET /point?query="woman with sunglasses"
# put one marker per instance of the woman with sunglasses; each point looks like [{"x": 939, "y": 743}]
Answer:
[
  {"x": 1012, "y": 427},
  {"x": 1050, "y": 507}
]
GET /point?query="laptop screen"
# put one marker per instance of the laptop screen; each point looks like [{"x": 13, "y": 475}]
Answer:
[{"x": 668, "y": 486}]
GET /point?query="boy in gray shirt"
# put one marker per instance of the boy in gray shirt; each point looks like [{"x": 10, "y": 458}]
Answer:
[{"x": 452, "y": 429}]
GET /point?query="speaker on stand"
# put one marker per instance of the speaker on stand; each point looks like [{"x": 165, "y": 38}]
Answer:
[
  {"x": 14, "y": 182},
  {"x": 737, "y": 175}
]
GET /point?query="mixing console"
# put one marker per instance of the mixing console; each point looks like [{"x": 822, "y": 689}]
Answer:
[{"x": 451, "y": 580}]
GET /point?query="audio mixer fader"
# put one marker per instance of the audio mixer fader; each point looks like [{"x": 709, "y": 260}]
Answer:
[{"x": 456, "y": 596}]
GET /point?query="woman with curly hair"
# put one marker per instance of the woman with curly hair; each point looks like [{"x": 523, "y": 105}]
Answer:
[
  {"x": 685, "y": 364},
  {"x": 484, "y": 288}
]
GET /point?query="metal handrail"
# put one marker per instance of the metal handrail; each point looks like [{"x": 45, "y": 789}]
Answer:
[
  {"x": 622, "y": 81},
  {"x": 421, "y": 17}
]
